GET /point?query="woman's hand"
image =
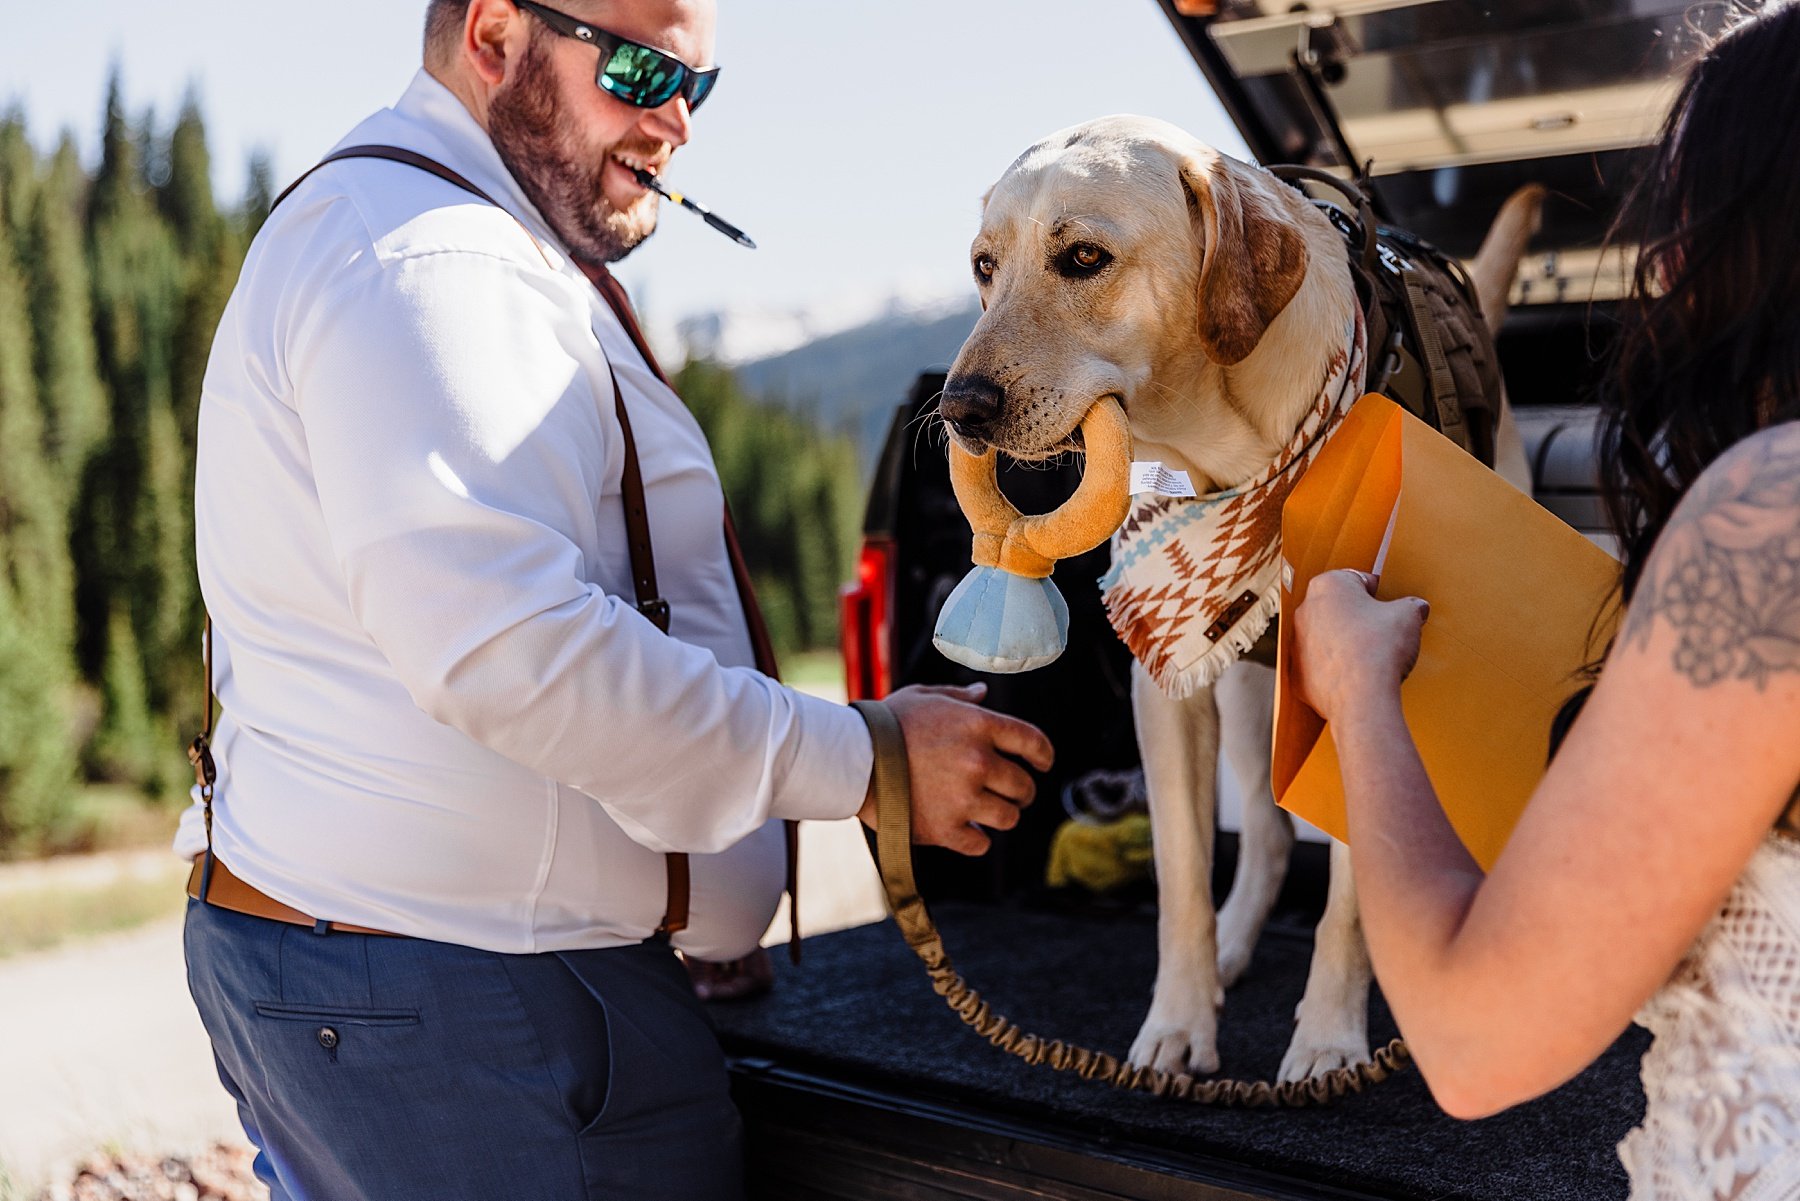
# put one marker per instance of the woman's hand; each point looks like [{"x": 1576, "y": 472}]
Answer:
[{"x": 1350, "y": 647}]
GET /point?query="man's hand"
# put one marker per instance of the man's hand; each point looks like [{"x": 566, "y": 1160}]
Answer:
[{"x": 957, "y": 754}]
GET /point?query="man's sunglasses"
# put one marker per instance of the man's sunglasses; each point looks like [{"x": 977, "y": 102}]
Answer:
[{"x": 637, "y": 74}]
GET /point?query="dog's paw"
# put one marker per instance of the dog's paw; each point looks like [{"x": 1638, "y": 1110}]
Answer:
[
  {"x": 1172, "y": 1042},
  {"x": 1171, "y": 1050},
  {"x": 1315, "y": 1053}
]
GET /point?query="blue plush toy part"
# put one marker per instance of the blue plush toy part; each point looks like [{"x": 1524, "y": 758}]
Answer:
[{"x": 1001, "y": 622}]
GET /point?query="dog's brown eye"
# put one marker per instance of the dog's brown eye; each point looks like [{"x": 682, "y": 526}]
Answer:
[
  {"x": 984, "y": 267},
  {"x": 1083, "y": 258}
]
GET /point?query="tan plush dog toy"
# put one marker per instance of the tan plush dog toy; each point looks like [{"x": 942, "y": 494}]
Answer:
[{"x": 1006, "y": 615}]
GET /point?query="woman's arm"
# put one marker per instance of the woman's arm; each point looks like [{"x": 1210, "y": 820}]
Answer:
[{"x": 1683, "y": 758}]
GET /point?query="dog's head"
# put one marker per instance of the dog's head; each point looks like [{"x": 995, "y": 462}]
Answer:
[{"x": 1106, "y": 251}]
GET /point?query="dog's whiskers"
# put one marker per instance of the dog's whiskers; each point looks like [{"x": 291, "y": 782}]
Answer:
[{"x": 926, "y": 423}]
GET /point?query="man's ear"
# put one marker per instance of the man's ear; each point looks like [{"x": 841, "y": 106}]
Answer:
[
  {"x": 1252, "y": 258},
  {"x": 487, "y": 38}
]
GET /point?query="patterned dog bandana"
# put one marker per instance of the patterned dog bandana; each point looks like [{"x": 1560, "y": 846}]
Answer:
[{"x": 1195, "y": 581}]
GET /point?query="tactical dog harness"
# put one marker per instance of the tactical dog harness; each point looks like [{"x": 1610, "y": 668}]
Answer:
[
  {"x": 1430, "y": 348},
  {"x": 1195, "y": 581}
]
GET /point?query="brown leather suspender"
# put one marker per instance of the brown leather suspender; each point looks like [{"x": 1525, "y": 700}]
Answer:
[
  {"x": 764, "y": 650},
  {"x": 637, "y": 527}
]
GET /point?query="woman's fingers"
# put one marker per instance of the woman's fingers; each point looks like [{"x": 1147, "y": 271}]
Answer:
[{"x": 1349, "y": 645}]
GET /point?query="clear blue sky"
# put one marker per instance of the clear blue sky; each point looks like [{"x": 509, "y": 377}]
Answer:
[{"x": 851, "y": 138}]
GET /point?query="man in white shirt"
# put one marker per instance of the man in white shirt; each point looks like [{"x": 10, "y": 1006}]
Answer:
[{"x": 454, "y": 752}]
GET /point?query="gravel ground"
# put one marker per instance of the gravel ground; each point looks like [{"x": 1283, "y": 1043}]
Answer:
[{"x": 220, "y": 1173}]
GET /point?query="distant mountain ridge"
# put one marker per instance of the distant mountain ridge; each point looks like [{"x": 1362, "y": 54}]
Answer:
[{"x": 853, "y": 379}]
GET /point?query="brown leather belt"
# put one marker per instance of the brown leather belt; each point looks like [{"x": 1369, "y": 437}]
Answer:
[{"x": 228, "y": 892}]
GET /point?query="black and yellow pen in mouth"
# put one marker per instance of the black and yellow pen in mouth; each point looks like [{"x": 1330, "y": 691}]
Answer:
[{"x": 717, "y": 222}]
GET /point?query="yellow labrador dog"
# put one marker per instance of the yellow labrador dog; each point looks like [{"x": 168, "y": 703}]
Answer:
[{"x": 1123, "y": 257}]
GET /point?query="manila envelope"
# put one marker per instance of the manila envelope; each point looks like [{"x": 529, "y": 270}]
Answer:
[{"x": 1516, "y": 598}]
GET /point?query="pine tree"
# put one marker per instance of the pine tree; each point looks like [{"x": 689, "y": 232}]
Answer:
[
  {"x": 259, "y": 196},
  {"x": 794, "y": 494},
  {"x": 129, "y": 532},
  {"x": 168, "y": 618},
  {"x": 18, "y": 175},
  {"x": 37, "y": 762},
  {"x": 62, "y": 320},
  {"x": 34, "y": 540},
  {"x": 65, "y": 181},
  {"x": 36, "y": 759},
  {"x": 124, "y": 749},
  {"x": 210, "y": 285},
  {"x": 186, "y": 199}
]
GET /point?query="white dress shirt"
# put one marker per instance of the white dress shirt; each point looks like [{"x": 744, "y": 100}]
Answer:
[{"x": 443, "y": 714}]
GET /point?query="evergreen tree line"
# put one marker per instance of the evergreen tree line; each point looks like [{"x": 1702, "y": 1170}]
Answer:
[
  {"x": 111, "y": 286},
  {"x": 796, "y": 495}
]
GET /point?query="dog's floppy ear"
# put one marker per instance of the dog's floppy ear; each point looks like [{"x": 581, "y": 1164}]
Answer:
[{"x": 1252, "y": 258}]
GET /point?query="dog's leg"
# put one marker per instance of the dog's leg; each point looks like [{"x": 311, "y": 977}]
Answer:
[
  {"x": 1333, "y": 1015},
  {"x": 1509, "y": 450},
  {"x": 1179, "y": 742},
  {"x": 1246, "y": 699}
]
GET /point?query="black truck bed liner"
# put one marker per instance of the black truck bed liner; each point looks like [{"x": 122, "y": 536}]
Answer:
[{"x": 855, "y": 1042}]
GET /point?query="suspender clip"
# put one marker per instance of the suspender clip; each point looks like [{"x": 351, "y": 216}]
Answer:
[
  {"x": 657, "y": 610},
  {"x": 206, "y": 773}
]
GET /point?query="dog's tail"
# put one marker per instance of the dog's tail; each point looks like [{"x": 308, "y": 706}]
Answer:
[{"x": 1497, "y": 262}]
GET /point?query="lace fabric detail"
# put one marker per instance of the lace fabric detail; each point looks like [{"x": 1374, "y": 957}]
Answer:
[{"x": 1722, "y": 1079}]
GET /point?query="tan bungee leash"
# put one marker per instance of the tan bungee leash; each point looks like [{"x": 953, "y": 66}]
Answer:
[{"x": 892, "y": 786}]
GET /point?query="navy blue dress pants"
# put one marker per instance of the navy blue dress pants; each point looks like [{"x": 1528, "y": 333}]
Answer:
[{"x": 392, "y": 1069}]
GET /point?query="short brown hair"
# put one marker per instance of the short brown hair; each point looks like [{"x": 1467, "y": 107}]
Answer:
[{"x": 443, "y": 21}]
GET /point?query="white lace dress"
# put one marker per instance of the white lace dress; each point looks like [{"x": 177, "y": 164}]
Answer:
[{"x": 1723, "y": 1076}]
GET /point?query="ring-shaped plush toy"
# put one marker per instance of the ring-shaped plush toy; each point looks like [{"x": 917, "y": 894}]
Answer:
[{"x": 1006, "y": 615}]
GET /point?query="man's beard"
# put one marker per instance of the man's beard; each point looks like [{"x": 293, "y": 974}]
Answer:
[{"x": 564, "y": 185}]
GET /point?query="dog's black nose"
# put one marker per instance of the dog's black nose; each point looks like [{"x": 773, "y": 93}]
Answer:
[{"x": 970, "y": 404}]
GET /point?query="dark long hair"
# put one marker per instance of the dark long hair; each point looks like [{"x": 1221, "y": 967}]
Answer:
[
  {"x": 1709, "y": 345},
  {"x": 1708, "y": 351}
]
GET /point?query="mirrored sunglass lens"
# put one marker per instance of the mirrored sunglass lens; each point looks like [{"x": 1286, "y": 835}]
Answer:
[
  {"x": 641, "y": 75},
  {"x": 703, "y": 86}
]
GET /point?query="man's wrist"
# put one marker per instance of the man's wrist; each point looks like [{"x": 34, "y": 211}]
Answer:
[{"x": 887, "y": 765}]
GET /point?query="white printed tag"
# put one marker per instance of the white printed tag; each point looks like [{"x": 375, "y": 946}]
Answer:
[{"x": 1164, "y": 481}]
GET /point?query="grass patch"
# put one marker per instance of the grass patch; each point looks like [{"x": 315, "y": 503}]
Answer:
[
  {"x": 813, "y": 669},
  {"x": 104, "y": 817},
  {"x": 41, "y": 918}
]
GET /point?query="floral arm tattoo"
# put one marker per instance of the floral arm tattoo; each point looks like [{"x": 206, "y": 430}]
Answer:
[{"x": 1726, "y": 570}]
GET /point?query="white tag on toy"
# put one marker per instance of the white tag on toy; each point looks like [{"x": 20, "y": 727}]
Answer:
[{"x": 1151, "y": 476}]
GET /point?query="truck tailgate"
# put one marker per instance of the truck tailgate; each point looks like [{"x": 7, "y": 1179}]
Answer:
[{"x": 857, "y": 1081}]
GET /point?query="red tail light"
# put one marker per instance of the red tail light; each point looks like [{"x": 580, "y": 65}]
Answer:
[{"x": 863, "y": 625}]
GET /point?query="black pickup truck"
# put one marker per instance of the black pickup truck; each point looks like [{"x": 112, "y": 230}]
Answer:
[{"x": 854, "y": 1078}]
